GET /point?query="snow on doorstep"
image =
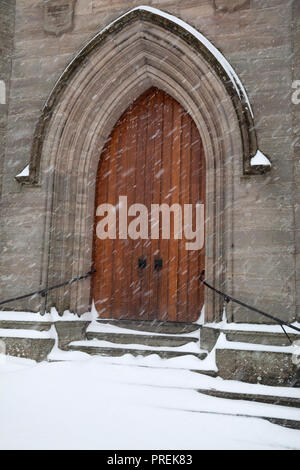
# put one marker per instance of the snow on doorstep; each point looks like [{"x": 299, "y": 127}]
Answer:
[
  {"x": 187, "y": 362},
  {"x": 190, "y": 347},
  {"x": 155, "y": 408},
  {"x": 95, "y": 327},
  {"x": 24, "y": 172},
  {"x": 260, "y": 159}
]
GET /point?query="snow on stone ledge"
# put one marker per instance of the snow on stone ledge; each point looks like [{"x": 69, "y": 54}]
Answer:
[
  {"x": 51, "y": 317},
  {"x": 24, "y": 172},
  {"x": 260, "y": 159},
  {"x": 23, "y": 333},
  {"x": 248, "y": 327}
]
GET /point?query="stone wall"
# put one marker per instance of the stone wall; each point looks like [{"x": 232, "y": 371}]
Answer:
[
  {"x": 7, "y": 24},
  {"x": 259, "y": 38},
  {"x": 296, "y": 137}
]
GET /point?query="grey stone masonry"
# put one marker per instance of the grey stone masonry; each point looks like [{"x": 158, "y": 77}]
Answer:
[
  {"x": 7, "y": 25},
  {"x": 254, "y": 253}
]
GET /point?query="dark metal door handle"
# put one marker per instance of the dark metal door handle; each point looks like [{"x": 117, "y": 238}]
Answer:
[
  {"x": 158, "y": 263},
  {"x": 142, "y": 263}
]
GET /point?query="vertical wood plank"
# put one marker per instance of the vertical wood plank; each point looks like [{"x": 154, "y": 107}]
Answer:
[
  {"x": 183, "y": 271},
  {"x": 129, "y": 244},
  {"x": 99, "y": 261},
  {"x": 165, "y": 199},
  {"x": 175, "y": 199},
  {"x": 194, "y": 284},
  {"x": 148, "y": 293}
]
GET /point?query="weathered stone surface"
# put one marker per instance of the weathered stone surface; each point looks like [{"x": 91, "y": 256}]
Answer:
[
  {"x": 267, "y": 368},
  {"x": 208, "y": 337},
  {"x": 231, "y": 5},
  {"x": 70, "y": 331},
  {"x": 29, "y": 348},
  {"x": 25, "y": 325},
  {"x": 58, "y": 16},
  {"x": 7, "y": 22},
  {"x": 154, "y": 326},
  {"x": 260, "y": 337}
]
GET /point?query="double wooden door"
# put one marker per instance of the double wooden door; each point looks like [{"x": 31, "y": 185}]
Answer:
[{"x": 154, "y": 155}]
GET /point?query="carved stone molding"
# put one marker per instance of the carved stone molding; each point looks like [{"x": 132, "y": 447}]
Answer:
[{"x": 139, "y": 50}]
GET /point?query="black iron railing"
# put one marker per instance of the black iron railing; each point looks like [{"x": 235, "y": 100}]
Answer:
[
  {"x": 228, "y": 299},
  {"x": 43, "y": 292}
]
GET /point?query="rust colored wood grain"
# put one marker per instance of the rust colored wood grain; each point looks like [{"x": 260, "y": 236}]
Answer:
[{"x": 154, "y": 155}]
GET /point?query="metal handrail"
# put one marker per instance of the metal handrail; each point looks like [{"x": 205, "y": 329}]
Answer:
[
  {"x": 43, "y": 292},
  {"x": 228, "y": 299}
]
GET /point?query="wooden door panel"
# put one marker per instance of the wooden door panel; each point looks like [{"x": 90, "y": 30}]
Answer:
[{"x": 154, "y": 156}]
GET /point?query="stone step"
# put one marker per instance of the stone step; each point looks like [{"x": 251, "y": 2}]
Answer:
[
  {"x": 266, "y": 367},
  {"x": 209, "y": 336},
  {"x": 116, "y": 352},
  {"x": 148, "y": 340},
  {"x": 28, "y": 348},
  {"x": 260, "y": 337},
  {"x": 68, "y": 331},
  {"x": 154, "y": 326},
  {"x": 25, "y": 325},
  {"x": 268, "y": 399},
  {"x": 287, "y": 423}
]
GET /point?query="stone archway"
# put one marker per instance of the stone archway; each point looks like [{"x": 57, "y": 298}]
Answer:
[{"x": 141, "y": 49}]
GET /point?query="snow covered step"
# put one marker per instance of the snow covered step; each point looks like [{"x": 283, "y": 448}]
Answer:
[
  {"x": 268, "y": 399},
  {"x": 104, "y": 348},
  {"x": 154, "y": 326},
  {"x": 269, "y": 335},
  {"x": 114, "y": 352},
  {"x": 36, "y": 348},
  {"x": 267, "y": 338},
  {"x": 149, "y": 340},
  {"x": 25, "y": 325},
  {"x": 267, "y": 365},
  {"x": 29, "y": 341}
]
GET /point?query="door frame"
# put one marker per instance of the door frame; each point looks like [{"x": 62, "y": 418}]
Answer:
[{"x": 64, "y": 162}]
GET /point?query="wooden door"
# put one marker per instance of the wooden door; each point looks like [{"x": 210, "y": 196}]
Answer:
[{"x": 154, "y": 155}]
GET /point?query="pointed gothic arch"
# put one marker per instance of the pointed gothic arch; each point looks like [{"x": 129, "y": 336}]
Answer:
[{"x": 141, "y": 49}]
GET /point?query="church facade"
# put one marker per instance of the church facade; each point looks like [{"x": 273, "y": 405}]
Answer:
[{"x": 171, "y": 101}]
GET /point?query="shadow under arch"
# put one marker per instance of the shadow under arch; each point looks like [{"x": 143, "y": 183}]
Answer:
[{"x": 141, "y": 49}]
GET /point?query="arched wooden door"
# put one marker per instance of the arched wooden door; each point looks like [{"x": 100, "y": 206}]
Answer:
[{"x": 154, "y": 155}]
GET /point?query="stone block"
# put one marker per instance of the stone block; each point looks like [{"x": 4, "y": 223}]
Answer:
[
  {"x": 69, "y": 331},
  {"x": 29, "y": 348},
  {"x": 263, "y": 367},
  {"x": 208, "y": 337}
]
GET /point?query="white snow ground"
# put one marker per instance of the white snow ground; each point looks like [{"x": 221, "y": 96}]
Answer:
[{"x": 93, "y": 403}]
